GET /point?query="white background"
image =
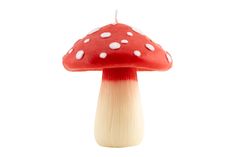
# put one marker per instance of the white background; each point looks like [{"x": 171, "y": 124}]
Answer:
[{"x": 46, "y": 111}]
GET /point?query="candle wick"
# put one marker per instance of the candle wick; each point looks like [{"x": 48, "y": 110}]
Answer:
[{"x": 116, "y": 14}]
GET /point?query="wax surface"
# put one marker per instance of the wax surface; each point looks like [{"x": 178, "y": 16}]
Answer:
[
  {"x": 115, "y": 74},
  {"x": 115, "y": 46}
]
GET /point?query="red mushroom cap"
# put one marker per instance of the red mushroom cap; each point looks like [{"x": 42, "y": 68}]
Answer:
[{"x": 116, "y": 46}]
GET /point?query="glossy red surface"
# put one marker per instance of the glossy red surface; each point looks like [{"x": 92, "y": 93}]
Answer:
[
  {"x": 119, "y": 74},
  {"x": 116, "y": 58}
]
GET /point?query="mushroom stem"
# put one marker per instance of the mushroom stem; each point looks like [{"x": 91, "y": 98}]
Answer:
[{"x": 119, "y": 120}]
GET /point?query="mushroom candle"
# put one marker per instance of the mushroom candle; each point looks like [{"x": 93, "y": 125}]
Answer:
[{"x": 119, "y": 51}]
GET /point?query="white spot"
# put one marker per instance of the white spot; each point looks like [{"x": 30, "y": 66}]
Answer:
[
  {"x": 114, "y": 45},
  {"x": 124, "y": 41},
  {"x": 150, "y": 47},
  {"x": 129, "y": 34},
  {"x": 168, "y": 56},
  {"x": 137, "y": 53},
  {"x": 71, "y": 50},
  {"x": 86, "y": 40},
  {"x": 94, "y": 30},
  {"x": 137, "y": 30},
  {"x": 103, "y": 55},
  {"x": 105, "y": 35},
  {"x": 79, "y": 54}
]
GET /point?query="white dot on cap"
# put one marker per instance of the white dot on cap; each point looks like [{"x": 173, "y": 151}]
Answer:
[
  {"x": 150, "y": 47},
  {"x": 79, "y": 54},
  {"x": 105, "y": 35},
  {"x": 137, "y": 30},
  {"x": 124, "y": 41},
  {"x": 86, "y": 40},
  {"x": 114, "y": 45},
  {"x": 103, "y": 55},
  {"x": 129, "y": 34},
  {"x": 137, "y": 53},
  {"x": 94, "y": 30},
  {"x": 71, "y": 50},
  {"x": 168, "y": 56}
]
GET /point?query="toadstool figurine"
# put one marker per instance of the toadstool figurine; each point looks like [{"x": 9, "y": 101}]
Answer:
[{"x": 119, "y": 51}]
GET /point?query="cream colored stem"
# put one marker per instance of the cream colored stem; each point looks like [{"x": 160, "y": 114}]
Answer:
[{"x": 119, "y": 119}]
